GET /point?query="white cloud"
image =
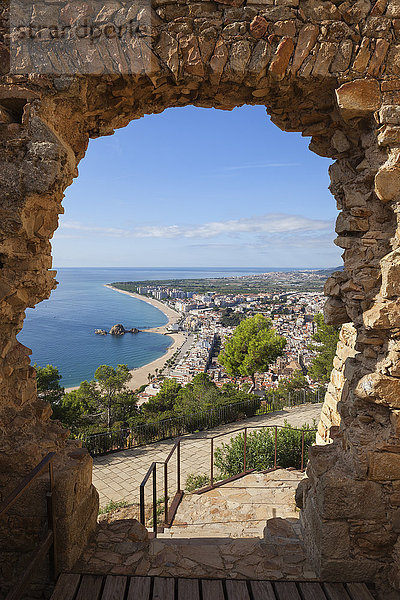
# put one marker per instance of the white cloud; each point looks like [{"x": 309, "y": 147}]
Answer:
[
  {"x": 108, "y": 231},
  {"x": 263, "y": 224},
  {"x": 260, "y": 227},
  {"x": 321, "y": 240}
]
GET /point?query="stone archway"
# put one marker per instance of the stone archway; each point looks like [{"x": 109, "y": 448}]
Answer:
[{"x": 328, "y": 69}]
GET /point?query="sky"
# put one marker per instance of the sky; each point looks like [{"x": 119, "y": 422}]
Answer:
[{"x": 199, "y": 187}]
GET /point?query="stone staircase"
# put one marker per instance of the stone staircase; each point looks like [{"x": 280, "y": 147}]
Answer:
[
  {"x": 238, "y": 509},
  {"x": 247, "y": 528}
]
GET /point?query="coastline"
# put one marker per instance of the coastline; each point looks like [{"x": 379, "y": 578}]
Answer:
[
  {"x": 139, "y": 374},
  {"x": 172, "y": 315}
]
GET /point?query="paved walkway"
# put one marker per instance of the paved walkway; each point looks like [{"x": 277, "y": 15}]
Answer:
[{"x": 117, "y": 476}]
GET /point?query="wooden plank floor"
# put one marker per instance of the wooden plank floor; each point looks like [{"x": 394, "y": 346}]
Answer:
[{"x": 72, "y": 586}]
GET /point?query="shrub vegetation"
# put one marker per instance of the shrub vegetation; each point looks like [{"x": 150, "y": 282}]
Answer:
[
  {"x": 326, "y": 338},
  {"x": 260, "y": 450},
  {"x": 195, "y": 482},
  {"x": 113, "y": 505}
]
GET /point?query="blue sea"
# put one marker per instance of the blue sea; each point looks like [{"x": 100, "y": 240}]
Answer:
[{"x": 60, "y": 330}]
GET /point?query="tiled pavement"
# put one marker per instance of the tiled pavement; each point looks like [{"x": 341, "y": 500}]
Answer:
[{"x": 117, "y": 476}]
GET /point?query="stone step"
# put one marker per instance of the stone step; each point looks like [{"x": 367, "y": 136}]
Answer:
[
  {"x": 234, "y": 546},
  {"x": 239, "y": 509},
  {"x": 213, "y": 531}
]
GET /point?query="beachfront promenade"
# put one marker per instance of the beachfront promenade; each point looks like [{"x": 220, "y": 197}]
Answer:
[{"x": 117, "y": 476}]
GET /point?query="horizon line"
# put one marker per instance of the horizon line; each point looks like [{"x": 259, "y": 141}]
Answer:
[{"x": 194, "y": 267}]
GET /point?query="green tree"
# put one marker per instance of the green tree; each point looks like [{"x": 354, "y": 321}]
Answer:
[
  {"x": 288, "y": 387},
  {"x": 327, "y": 337},
  {"x": 253, "y": 346},
  {"x": 110, "y": 384},
  {"x": 294, "y": 383},
  {"x": 78, "y": 408},
  {"x": 49, "y": 389},
  {"x": 229, "y": 318},
  {"x": 200, "y": 394},
  {"x": 165, "y": 399},
  {"x": 86, "y": 408},
  {"x": 48, "y": 383},
  {"x": 73, "y": 408},
  {"x": 104, "y": 399},
  {"x": 202, "y": 379},
  {"x": 125, "y": 409}
]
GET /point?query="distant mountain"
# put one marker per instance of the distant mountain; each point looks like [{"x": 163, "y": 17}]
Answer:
[{"x": 328, "y": 271}]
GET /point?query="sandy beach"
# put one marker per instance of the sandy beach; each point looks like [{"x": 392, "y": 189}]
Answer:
[
  {"x": 173, "y": 315},
  {"x": 139, "y": 375}
]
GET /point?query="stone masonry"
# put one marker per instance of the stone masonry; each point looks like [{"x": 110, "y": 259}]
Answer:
[
  {"x": 248, "y": 528},
  {"x": 327, "y": 68}
]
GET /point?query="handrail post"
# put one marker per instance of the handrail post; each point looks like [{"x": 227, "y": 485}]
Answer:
[
  {"x": 276, "y": 445},
  {"x": 142, "y": 515},
  {"x": 51, "y": 523},
  {"x": 178, "y": 466},
  {"x": 212, "y": 462},
  {"x": 166, "y": 493},
  {"x": 48, "y": 543},
  {"x": 302, "y": 450},
  {"x": 51, "y": 476},
  {"x": 245, "y": 449},
  {"x": 155, "y": 500}
]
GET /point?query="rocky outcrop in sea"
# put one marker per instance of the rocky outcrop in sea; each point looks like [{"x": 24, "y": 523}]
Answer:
[{"x": 117, "y": 329}]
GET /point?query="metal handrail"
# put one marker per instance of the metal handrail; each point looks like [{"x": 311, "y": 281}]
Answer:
[
  {"x": 169, "y": 512},
  {"x": 147, "y": 476},
  {"x": 151, "y": 470},
  {"x": 7, "y": 503},
  {"x": 122, "y": 439},
  {"x": 245, "y": 470},
  {"x": 254, "y": 427},
  {"x": 48, "y": 543}
]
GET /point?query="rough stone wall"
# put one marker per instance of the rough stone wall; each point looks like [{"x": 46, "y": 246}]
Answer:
[
  {"x": 329, "y": 69},
  {"x": 330, "y": 417},
  {"x": 35, "y": 167}
]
